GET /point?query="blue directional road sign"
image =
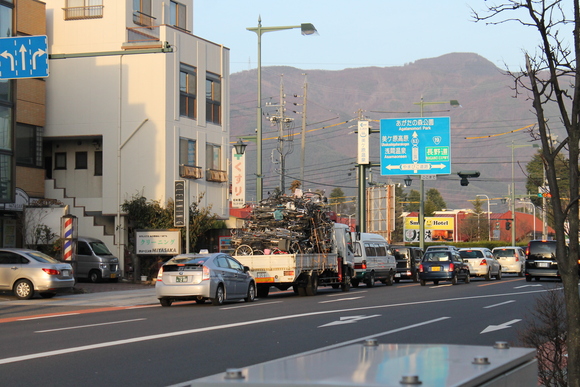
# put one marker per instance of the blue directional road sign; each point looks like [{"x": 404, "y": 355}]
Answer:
[
  {"x": 23, "y": 57},
  {"x": 415, "y": 146}
]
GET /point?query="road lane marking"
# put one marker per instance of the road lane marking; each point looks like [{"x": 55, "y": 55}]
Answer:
[
  {"x": 90, "y": 325},
  {"x": 505, "y": 325},
  {"x": 46, "y": 316},
  {"x": 63, "y": 351},
  {"x": 497, "y": 282},
  {"x": 501, "y": 303},
  {"x": 348, "y": 320},
  {"x": 340, "y": 299},
  {"x": 246, "y": 305}
]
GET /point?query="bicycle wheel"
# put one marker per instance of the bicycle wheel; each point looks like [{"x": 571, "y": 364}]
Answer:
[{"x": 244, "y": 250}]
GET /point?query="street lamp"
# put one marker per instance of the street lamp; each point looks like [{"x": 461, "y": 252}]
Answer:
[
  {"x": 488, "y": 216},
  {"x": 408, "y": 181},
  {"x": 513, "y": 193},
  {"x": 454, "y": 104},
  {"x": 240, "y": 147},
  {"x": 307, "y": 29}
]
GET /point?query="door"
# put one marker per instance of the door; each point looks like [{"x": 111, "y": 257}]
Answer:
[
  {"x": 10, "y": 268},
  {"x": 228, "y": 274},
  {"x": 84, "y": 259},
  {"x": 241, "y": 277}
]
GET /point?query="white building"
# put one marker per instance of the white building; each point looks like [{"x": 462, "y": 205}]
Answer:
[{"x": 135, "y": 101}]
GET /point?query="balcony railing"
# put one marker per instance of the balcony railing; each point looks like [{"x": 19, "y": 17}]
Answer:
[
  {"x": 143, "y": 34},
  {"x": 86, "y": 12},
  {"x": 216, "y": 175},
  {"x": 143, "y": 19},
  {"x": 190, "y": 172}
]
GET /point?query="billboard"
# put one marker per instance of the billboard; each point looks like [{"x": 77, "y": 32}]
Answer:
[{"x": 437, "y": 229}]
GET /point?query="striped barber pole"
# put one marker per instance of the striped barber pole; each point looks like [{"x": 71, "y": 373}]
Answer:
[{"x": 68, "y": 230}]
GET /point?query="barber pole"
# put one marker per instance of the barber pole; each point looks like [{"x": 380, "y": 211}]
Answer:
[{"x": 68, "y": 240}]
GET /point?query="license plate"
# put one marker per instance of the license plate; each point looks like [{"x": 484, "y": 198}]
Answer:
[
  {"x": 543, "y": 264},
  {"x": 65, "y": 273},
  {"x": 181, "y": 278},
  {"x": 113, "y": 275},
  {"x": 398, "y": 275},
  {"x": 261, "y": 274},
  {"x": 435, "y": 268}
]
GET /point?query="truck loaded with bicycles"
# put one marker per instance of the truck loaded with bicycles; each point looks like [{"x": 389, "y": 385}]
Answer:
[{"x": 290, "y": 241}]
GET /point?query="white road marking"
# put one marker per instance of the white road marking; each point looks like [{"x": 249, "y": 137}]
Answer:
[
  {"x": 51, "y": 316},
  {"x": 246, "y": 305},
  {"x": 505, "y": 325},
  {"x": 90, "y": 325},
  {"x": 340, "y": 299},
  {"x": 63, "y": 351},
  {"x": 501, "y": 303},
  {"x": 348, "y": 320}
]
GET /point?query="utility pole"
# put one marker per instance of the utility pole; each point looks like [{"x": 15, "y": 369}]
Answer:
[
  {"x": 303, "y": 140},
  {"x": 283, "y": 123}
]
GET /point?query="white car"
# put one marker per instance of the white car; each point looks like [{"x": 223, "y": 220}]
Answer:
[
  {"x": 511, "y": 258},
  {"x": 481, "y": 262}
]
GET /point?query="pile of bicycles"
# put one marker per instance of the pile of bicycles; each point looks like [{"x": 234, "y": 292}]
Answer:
[{"x": 286, "y": 224}]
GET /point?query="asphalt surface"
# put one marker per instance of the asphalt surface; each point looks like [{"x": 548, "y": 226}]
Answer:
[{"x": 84, "y": 287}]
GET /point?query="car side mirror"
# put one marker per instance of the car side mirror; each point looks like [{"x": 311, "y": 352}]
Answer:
[{"x": 246, "y": 269}]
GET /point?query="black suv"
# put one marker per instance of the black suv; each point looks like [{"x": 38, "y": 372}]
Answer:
[
  {"x": 541, "y": 260},
  {"x": 408, "y": 260}
]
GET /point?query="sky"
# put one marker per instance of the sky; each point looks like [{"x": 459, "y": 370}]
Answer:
[{"x": 358, "y": 33}]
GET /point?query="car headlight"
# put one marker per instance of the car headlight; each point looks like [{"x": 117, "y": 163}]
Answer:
[{"x": 104, "y": 266}]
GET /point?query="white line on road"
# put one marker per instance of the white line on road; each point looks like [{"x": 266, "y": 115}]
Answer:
[
  {"x": 246, "y": 305},
  {"x": 63, "y": 351},
  {"x": 340, "y": 299},
  {"x": 51, "y": 316},
  {"x": 501, "y": 303},
  {"x": 90, "y": 325}
]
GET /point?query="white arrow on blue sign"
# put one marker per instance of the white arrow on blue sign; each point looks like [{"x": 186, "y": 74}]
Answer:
[{"x": 23, "y": 57}]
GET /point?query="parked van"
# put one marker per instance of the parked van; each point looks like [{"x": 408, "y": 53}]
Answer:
[
  {"x": 373, "y": 260},
  {"x": 408, "y": 261},
  {"x": 94, "y": 261}
]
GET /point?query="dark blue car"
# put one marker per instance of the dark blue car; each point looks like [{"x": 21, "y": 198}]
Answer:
[{"x": 443, "y": 266}]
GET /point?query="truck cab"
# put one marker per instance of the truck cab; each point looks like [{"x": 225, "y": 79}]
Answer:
[{"x": 373, "y": 260}]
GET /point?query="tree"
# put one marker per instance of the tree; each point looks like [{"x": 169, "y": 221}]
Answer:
[
  {"x": 551, "y": 81},
  {"x": 400, "y": 196},
  {"x": 337, "y": 199},
  {"x": 475, "y": 226},
  {"x": 434, "y": 202}
]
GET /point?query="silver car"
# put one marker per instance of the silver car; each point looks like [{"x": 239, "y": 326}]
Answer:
[
  {"x": 481, "y": 262},
  {"x": 217, "y": 277},
  {"x": 25, "y": 271},
  {"x": 511, "y": 258}
]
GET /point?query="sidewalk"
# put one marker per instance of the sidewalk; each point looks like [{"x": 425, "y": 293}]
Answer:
[{"x": 105, "y": 286}]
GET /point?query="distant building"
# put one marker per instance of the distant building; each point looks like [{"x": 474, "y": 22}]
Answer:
[{"x": 135, "y": 101}]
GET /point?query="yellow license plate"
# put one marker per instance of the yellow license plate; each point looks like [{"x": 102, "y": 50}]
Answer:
[{"x": 435, "y": 268}]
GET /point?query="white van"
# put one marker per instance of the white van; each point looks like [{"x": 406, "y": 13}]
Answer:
[
  {"x": 373, "y": 260},
  {"x": 94, "y": 261}
]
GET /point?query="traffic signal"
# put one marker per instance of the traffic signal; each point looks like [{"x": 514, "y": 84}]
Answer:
[
  {"x": 508, "y": 225},
  {"x": 544, "y": 195}
]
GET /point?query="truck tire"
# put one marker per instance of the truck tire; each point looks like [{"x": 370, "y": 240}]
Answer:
[
  {"x": 301, "y": 291},
  {"x": 312, "y": 286},
  {"x": 390, "y": 279},
  {"x": 345, "y": 285},
  {"x": 263, "y": 291}
]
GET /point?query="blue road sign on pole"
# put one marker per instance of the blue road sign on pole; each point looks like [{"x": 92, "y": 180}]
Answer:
[
  {"x": 23, "y": 57},
  {"x": 415, "y": 146}
]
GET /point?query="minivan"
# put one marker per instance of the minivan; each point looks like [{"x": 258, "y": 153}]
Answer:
[
  {"x": 408, "y": 261},
  {"x": 94, "y": 261},
  {"x": 373, "y": 260},
  {"x": 541, "y": 260}
]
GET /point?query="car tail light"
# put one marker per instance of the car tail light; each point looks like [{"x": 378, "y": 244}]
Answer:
[
  {"x": 451, "y": 267},
  {"x": 483, "y": 262},
  {"x": 160, "y": 274},
  {"x": 51, "y": 271},
  {"x": 421, "y": 268},
  {"x": 205, "y": 274}
]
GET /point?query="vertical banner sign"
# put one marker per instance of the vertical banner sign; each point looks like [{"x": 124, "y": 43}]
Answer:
[
  {"x": 238, "y": 180},
  {"x": 179, "y": 210},
  {"x": 363, "y": 143}
]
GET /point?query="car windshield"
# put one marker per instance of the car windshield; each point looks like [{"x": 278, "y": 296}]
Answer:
[
  {"x": 100, "y": 248},
  {"x": 471, "y": 254},
  {"x": 40, "y": 257},
  {"x": 437, "y": 256}
]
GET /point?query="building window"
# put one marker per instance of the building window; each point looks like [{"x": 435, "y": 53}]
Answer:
[
  {"x": 60, "y": 160},
  {"x": 81, "y": 160},
  {"x": 98, "y": 163},
  {"x": 5, "y": 21},
  {"x": 178, "y": 15},
  {"x": 213, "y": 156},
  {"x": 28, "y": 145},
  {"x": 83, "y": 9},
  {"x": 5, "y": 128},
  {"x": 6, "y": 180},
  {"x": 142, "y": 12},
  {"x": 187, "y": 87},
  {"x": 213, "y": 98},
  {"x": 187, "y": 154},
  {"x": 5, "y": 88}
]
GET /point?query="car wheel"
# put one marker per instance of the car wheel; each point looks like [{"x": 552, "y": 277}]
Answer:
[
  {"x": 23, "y": 289},
  {"x": 95, "y": 276},
  {"x": 467, "y": 278},
  {"x": 521, "y": 273},
  {"x": 416, "y": 277},
  {"x": 47, "y": 295},
  {"x": 165, "y": 301},
  {"x": 488, "y": 275},
  {"x": 436, "y": 282},
  {"x": 200, "y": 301},
  {"x": 371, "y": 281},
  {"x": 219, "y": 296},
  {"x": 499, "y": 274},
  {"x": 528, "y": 279},
  {"x": 423, "y": 283},
  {"x": 390, "y": 279},
  {"x": 397, "y": 280},
  {"x": 251, "y": 293},
  {"x": 454, "y": 280},
  {"x": 537, "y": 279}
]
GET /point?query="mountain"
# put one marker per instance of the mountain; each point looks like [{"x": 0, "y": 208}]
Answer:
[{"x": 336, "y": 99}]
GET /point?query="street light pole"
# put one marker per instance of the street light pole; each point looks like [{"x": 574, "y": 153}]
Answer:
[
  {"x": 307, "y": 29},
  {"x": 488, "y": 216},
  {"x": 513, "y": 192},
  {"x": 453, "y": 103}
]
